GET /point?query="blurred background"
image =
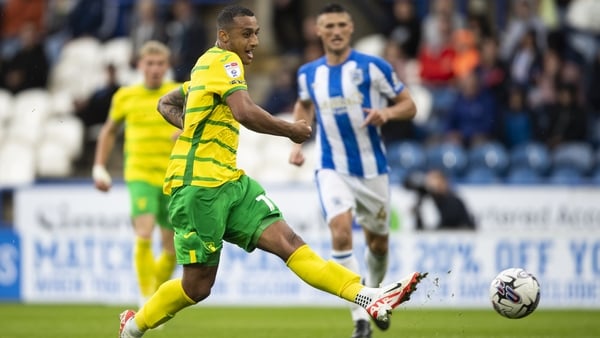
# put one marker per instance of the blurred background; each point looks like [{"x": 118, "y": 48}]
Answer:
[{"x": 508, "y": 113}]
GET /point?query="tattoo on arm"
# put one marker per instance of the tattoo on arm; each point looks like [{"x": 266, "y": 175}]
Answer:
[{"x": 171, "y": 107}]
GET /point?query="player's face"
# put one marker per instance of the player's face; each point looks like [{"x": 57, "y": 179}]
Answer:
[
  {"x": 153, "y": 67},
  {"x": 242, "y": 38},
  {"x": 335, "y": 31}
]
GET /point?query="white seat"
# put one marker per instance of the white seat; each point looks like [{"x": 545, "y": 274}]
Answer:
[
  {"x": 423, "y": 101},
  {"x": 66, "y": 131},
  {"x": 61, "y": 103},
  {"x": 53, "y": 160},
  {"x": 31, "y": 109},
  {"x": 117, "y": 51},
  {"x": 17, "y": 164},
  {"x": 6, "y": 108}
]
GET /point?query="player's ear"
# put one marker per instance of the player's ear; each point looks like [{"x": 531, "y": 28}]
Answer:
[{"x": 223, "y": 36}]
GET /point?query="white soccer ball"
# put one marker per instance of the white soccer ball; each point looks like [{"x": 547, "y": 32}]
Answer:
[{"x": 515, "y": 293}]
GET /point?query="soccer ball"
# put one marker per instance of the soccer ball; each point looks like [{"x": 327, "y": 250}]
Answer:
[{"x": 515, "y": 293}]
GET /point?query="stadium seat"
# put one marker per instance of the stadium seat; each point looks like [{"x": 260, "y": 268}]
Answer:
[
  {"x": 423, "y": 101},
  {"x": 17, "y": 164},
  {"x": 481, "y": 175},
  {"x": 66, "y": 131},
  {"x": 406, "y": 156},
  {"x": 566, "y": 176},
  {"x": 448, "y": 157},
  {"x": 577, "y": 156},
  {"x": 491, "y": 155},
  {"x": 534, "y": 156},
  {"x": 523, "y": 176},
  {"x": 117, "y": 51},
  {"x": 30, "y": 110},
  {"x": 6, "y": 100},
  {"x": 53, "y": 160}
]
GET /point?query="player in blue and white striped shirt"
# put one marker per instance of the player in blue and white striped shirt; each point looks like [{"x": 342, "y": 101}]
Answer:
[{"x": 350, "y": 93}]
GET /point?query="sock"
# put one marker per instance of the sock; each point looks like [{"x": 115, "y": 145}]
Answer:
[
  {"x": 347, "y": 259},
  {"x": 376, "y": 268},
  {"x": 164, "y": 267},
  {"x": 164, "y": 304},
  {"x": 143, "y": 259},
  {"x": 324, "y": 275}
]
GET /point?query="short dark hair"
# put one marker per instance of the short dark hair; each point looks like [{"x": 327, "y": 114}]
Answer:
[
  {"x": 333, "y": 8},
  {"x": 227, "y": 14}
]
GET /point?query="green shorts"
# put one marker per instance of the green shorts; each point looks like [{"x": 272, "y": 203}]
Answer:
[
  {"x": 149, "y": 199},
  {"x": 237, "y": 212}
]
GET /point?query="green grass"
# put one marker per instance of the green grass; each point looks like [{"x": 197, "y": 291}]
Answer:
[{"x": 89, "y": 321}]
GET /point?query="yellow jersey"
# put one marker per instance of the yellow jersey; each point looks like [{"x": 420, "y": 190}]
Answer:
[
  {"x": 148, "y": 137},
  {"x": 205, "y": 153}
]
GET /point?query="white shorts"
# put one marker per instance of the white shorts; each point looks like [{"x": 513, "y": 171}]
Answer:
[{"x": 368, "y": 198}]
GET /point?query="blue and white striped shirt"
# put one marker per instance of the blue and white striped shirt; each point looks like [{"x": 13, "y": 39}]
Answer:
[{"x": 339, "y": 94}]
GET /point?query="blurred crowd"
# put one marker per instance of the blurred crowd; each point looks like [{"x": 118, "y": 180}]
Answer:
[{"x": 511, "y": 71}]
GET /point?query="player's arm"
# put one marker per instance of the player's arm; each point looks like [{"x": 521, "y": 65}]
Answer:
[
  {"x": 253, "y": 117},
  {"x": 403, "y": 108},
  {"x": 303, "y": 110},
  {"x": 104, "y": 146},
  {"x": 171, "y": 107}
]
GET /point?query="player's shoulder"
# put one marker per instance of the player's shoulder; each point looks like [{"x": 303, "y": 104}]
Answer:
[
  {"x": 312, "y": 65},
  {"x": 366, "y": 58},
  {"x": 128, "y": 91}
]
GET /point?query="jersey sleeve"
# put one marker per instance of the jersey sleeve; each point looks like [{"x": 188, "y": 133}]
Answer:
[
  {"x": 386, "y": 79},
  {"x": 116, "y": 112},
  {"x": 301, "y": 78},
  {"x": 228, "y": 76}
]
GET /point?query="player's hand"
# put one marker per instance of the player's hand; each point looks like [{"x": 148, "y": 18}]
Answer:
[
  {"x": 296, "y": 156},
  {"x": 376, "y": 117},
  {"x": 300, "y": 132},
  {"x": 101, "y": 177}
]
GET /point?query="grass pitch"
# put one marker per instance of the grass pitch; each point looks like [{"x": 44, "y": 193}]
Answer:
[{"x": 91, "y": 321}]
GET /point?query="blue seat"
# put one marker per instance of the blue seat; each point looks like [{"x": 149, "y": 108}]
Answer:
[
  {"x": 491, "y": 155},
  {"x": 406, "y": 155},
  {"x": 577, "y": 156},
  {"x": 566, "y": 176},
  {"x": 448, "y": 157},
  {"x": 534, "y": 156},
  {"x": 481, "y": 175},
  {"x": 523, "y": 175}
]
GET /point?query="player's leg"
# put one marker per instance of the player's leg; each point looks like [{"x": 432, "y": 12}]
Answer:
[
  {"x": 165, "y": 262},
  {"x": 338, "y": 201},
  {"x": 372, "y": 213},
  {"x": 198, "y": 243}
]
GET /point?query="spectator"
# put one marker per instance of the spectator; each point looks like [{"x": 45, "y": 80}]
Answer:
[
  {"x": 15, "y": 15},
  {"x": 283, "y": 92},
  {"x": 491, "y": 70},
  {"x": 287, "y": 24},
  {"x": 146, "y": 25},
  {"x": 467, "y": 54},
  {"x": 451, "y": 211},
  {"x": 431, "y": 22},
  {"x": 526, "y": 62},
  {"x": 406, "y": 30},
  {"x": 187, "y": 38},
  {"x": 436, "y": 59},
  {"x": 524, "y": 21},
  {"x": 568, "y": 119},
  {"x": 29, "y": 67},
  {"x": 517, "y": 119},
  {"x": 472, "y": 118}
]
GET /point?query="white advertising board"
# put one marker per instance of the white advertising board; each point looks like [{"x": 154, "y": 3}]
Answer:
[{"x": 76, "y": 246}]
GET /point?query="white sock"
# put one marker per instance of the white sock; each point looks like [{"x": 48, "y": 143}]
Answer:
[
  {"x": 376, "y": 268},
  {"x": 347, "y": 259}
]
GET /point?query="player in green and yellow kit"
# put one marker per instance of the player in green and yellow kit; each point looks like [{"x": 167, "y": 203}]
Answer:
[
  {"x": 213, "y": 201},
  {"x": 148, "y": 143}
]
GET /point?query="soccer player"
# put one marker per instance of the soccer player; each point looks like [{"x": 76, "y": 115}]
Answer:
[
  {"x": 213, "y": 201},
  {"x": 349, "y": 91},
  {"x": 148, "y": 143}
]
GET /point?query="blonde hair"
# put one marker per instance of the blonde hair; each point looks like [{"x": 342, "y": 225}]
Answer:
[{"x": 153, "y": 47}]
